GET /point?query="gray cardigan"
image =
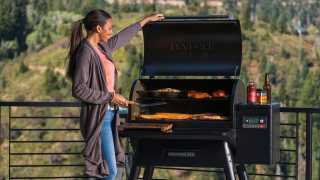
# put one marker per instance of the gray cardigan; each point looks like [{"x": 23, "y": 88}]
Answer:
[{"x": 88, "y": 85}]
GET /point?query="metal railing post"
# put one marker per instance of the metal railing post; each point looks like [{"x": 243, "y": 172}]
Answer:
[
  {"x": 2, "y": 136},
  {"x": 9, "y": 139},
  {"x": 318, "y": 161},
  {"x": 309, "y": 147},
  {"x": 0, "y": 124},
  {"x": 297, "y": 146}
]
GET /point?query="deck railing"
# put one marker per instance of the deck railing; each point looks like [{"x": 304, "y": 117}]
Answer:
[{"x": 20, "y": 117}]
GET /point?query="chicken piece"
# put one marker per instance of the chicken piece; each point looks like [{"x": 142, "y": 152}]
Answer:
[
  {"x": 208, "y": 116},
  {"x": 169, "y": 90},
  {"x": 219, "y": 93},
  {"x": 198, "y": 94}
]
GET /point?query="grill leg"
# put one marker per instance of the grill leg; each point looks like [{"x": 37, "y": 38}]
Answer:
[
  {"x": 241, "y": 169},
  {"x": 134, "y": 172},
  {"x": 229, "y": 170},
  {"x": 148, "y": 172}
]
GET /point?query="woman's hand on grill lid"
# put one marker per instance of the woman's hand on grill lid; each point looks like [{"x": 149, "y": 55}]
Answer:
[
  {"x": 120, "y": 100},
  {"x": 151, "y": 18}
]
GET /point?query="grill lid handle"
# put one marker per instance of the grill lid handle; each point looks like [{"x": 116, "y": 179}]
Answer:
[{"x": 195, "y": 18}]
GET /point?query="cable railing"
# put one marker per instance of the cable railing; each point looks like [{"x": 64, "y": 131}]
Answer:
[{"x": 25, "y": 117}]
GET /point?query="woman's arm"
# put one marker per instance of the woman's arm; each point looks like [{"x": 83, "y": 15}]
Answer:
[
  {"x": 80, "y": 89},
  {"x": 121, "y": 38},
  {"x": 151, "y": 18}
]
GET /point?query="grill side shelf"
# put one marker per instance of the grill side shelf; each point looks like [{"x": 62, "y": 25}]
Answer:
[
  {"x": 190, "y": 124},
  {"x": 163, "y": 127}
]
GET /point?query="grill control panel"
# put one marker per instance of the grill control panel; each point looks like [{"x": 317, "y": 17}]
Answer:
[
  {"x": 256, "y": 122},
  {"x": 258, "y": 134}
]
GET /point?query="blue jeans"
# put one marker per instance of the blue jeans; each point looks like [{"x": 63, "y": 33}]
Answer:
[{"x": 107, "y": 144}]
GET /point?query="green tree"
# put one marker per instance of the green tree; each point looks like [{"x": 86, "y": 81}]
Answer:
[
  {"x": 8, "y": 49},
  {"x": 23, "y": 68},
  {"x": 311, "y": 90},
  {"x": 53, "y": 26},
  {"x": 53, "y": 81},
  {"x": 293, "y": 84},
  {"x": 76, "y": 6},
  {"x": 190, "y": 2},
  {"x": 245, "y": 14},
  {"x": 231, "y": 7},
  {"x": 115, "y": 7},
  {"x": 282, "y": 23},
  {"x": 263, "y": 63},
  {"x": 282, "y": 95},
  {"x": 269, "y": 11},
  {"x": 275, "y": 14},
  {"x": 284, "y": 53},
  {"x": 37, "y": 9},
  {"x": 264, "y": 10},
  {"x": 304, "y": 62},
  {"x": 13, "y": 20}
]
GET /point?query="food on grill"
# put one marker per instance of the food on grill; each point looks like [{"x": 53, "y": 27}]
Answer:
[
  {"x": 198, "y": 94},
  {"x": 208, "y": 116},
  {"x": 168, "y": 90},
  {"x": 219, "y": 93},
  {"x": 160, "y": 93},
  {"x": 166, "y": 116},
  {"x": 181, "y": 116}
]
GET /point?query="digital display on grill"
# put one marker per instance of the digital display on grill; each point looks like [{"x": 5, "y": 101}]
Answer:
[{"x": 257, "y": 122}]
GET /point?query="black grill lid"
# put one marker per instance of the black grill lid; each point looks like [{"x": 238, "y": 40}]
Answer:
[{"x": 192, "y": 46}]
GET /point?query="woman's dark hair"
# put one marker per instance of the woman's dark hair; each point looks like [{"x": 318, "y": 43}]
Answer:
[{"x": 90, "y": 21}]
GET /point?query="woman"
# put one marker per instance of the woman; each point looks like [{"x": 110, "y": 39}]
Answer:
[{"x": 94, "y": 76}]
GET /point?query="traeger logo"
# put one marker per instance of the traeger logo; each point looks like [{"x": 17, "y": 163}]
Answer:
[
  {"x": 194, "y": 45},
  {"x": 182, "y": 154}
]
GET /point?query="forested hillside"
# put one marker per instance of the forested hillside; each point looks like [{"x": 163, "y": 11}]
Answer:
[{"x": 280, "y": 37}]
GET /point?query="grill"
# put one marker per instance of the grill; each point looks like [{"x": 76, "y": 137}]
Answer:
[{"x": 191, "y": 109}]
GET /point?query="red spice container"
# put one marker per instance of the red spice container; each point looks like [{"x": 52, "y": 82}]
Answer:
[{"x": 251, "y": 92}]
